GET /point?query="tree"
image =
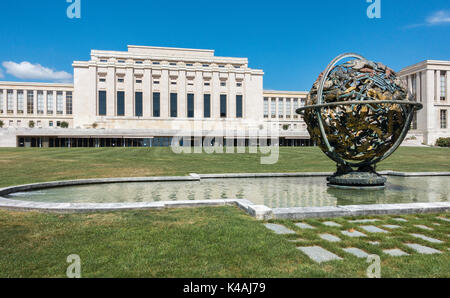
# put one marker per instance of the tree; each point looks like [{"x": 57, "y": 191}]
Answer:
[
  {"x": 1, "y": 124},
  {"x": 31, "y": 124}
]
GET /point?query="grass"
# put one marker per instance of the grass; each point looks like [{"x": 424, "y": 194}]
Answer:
[
  {"x": 202, "y": 242},
  {"x": 20, "y": 165}
]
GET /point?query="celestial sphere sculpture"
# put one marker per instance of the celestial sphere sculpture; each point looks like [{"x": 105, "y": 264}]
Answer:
[{"x": 358, "y": 113}]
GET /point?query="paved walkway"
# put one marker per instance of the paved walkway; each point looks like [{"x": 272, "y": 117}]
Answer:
[{"x": 364, "y": 229}]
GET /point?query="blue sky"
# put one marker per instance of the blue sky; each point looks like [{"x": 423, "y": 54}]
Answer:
[{"x": 292, "y": 41}]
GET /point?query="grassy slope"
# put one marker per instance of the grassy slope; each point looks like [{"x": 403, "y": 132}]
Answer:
[
  {"x": 202, "y": 242},
  {"x": 19, "y": 166}
]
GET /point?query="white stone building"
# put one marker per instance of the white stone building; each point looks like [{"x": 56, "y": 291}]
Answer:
[
  {"x": 429, "y": 81},
  {"x": 147, "y": 95}
]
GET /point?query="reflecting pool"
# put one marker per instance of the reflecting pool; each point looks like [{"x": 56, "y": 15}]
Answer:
[{"x": 272, "y": 192}]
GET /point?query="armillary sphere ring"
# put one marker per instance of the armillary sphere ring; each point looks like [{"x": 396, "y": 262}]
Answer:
[{"x": 411, "y": 106}]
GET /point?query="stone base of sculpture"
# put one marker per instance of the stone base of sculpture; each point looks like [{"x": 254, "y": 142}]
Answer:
[{"x": 363, "y": 178}]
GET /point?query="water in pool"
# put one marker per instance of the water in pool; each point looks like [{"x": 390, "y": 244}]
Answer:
[{"x": 272, "y": 192}]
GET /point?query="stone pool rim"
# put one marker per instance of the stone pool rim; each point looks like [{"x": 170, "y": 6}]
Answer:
[{"x": 258, "y": 211}]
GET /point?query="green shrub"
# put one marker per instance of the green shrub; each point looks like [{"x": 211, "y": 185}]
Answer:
[
  {"x": 64, "y": 124},
  {"x": 31, "y": 124},
  {"x": 1, "y": 124},
  {"x": 443, "y": 142}
]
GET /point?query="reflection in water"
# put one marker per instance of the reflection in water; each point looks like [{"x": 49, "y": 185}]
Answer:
[{"x": 272, "y": 192}]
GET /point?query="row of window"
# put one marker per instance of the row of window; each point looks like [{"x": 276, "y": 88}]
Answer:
[
  {"x": 20, "y": 103},
  {"x": 192, "y": 64},
  {"x": 173, "y": 82},
  {"x": 282, "y": 104},
  {"x": 173, "y": 105},
  {"x": 38, "y": 123}
]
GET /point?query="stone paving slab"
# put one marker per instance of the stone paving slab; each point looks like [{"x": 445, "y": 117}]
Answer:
[
  {"x": 393, "y": 227},
  {"x": 279, "y": 229},
  {"x": 444, "y": 219},
  {"x": 305, "y": 226},
  {"x": 423, "y": 227},
  {"x": 374, "y": 242},
  {"x": 331, "y": 224},
  {"x": 395, "y": 252},
  {"x": 353, "y": 234},
  {"x": 426, "y": 238},
  {"x": 363, "y": 221},
  {"x": 400, "y": 219},
  {"x": 356, "y": 252},
  {"x": 318, "y": 254},
  {"x": 373, "y": 229},
  {"x": 423, "y": 249},
  {"x": 329, "y": 237}
]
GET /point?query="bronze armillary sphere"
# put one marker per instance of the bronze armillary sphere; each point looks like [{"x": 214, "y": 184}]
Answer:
[{"x": 358, "y": 113}]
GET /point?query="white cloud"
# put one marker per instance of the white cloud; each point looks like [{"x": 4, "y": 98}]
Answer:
[
  {"x": 28, "y": 71},
  {"x": 1, "y": 74},
  {"x": 440, "y": 17}
]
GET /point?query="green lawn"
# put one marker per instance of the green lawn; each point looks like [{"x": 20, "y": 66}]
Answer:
[
  {"x": 202, "y": 242},
  {"x": 19, "y": 165}
]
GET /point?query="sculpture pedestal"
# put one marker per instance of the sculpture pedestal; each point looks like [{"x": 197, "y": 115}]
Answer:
[{"x": 363, "y": 178}]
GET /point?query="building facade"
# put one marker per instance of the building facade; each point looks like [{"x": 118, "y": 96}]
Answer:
[
  {"x": 146, "y": 96},
  {"x": 429, "y": 82}
]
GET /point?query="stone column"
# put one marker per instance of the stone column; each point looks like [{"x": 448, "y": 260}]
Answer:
[
  {"x": 182, "y": 96},
  {"x": 215, "y": 96},
  {"x": 111, "y": 81},
  {"x": 147, "y": 93},
  {"x": 164, "y": 104},
  {"x": 447, "y": 87},
  {"x": 15, "y": 101},
  {"x": 437, "y": 89},
  {"x": 129, "y": 93}
]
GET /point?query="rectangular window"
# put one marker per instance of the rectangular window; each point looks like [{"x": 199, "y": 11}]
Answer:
[
  {"x": 414, "y": 121},
  {"x": 280, "y": 107},
  {"x": 238, "y": 106},
  {"x": 139, "y": 62},
  {"x": 207, "y": 84},
  {"x": 156, "y": 104},
  {"x": 120, "y": 103},
  {"x": 190, "y": 105},
  {"x": 49, "y": 102},
  {"x": 223, "y": 106},
  {"x": 102, "y": 80},
  {"x": 443, "y": 119},
  {"x": 40, "y": 102},
  {"x": 21, "y": 103},
  {"x": 173, "y": 105},
  {"x": 59, "y": 103},
  {"x": 223, "y": 84},
  {"x": 443, "y": 86},
  {"x": 138, "y": 81},
  {"x": 156, "y": 63},
  {"x": 266, "y": 107},
  {"x": 207, "y": 105},
  {"x": 69, "y": 103},
  {"x": 120, "y": 80},
  {"x": 273, "y": 107},
  {"x": 30, "y": 102},
  {"x": 138, "y": 104},
  {"x": 50, "y": 123},
  {"x": 295, "y": 107},
  {"x": 10, "y": 101},
  {"x": 102, "y": 103},
  {"x": 288, "y": 108}
]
